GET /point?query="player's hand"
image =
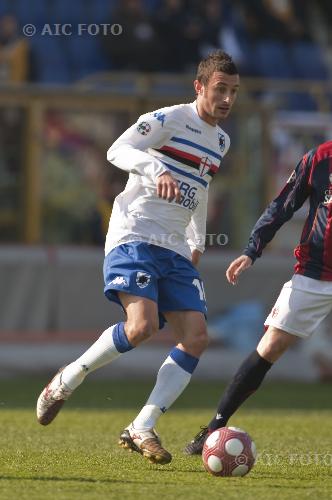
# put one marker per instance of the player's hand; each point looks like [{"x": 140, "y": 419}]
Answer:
[
  {"x": 167, "y": 187},
  {"x": 195, "y": 256},
  {"x": 236, "y": 267}
]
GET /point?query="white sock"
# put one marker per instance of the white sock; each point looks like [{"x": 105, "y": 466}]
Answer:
[
  {"x": 171, "y": 382},
  {"x": 102, "y": 352}
]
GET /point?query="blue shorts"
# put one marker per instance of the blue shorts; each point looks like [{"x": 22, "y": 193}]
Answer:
[{"x": 159, "y": 274}]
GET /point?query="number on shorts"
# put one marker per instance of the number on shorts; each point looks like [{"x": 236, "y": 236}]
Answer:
[{"x": 200, "y": 288}]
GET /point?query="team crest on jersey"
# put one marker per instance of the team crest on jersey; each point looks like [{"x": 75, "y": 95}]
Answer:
[
  {"x": 204, "y": 165},
  {"x": 330, "y": 178},
  {"x": 142, "y": 279},
  {"x": 222, "y": 142},
  {"x": 143, "y": 128},
  {"x": 160, "y": 116}
]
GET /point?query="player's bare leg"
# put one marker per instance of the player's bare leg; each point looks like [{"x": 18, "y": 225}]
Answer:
[
  {"x": 246, "y": 381},
  {"x": 113, "y": 342},
  {"x": 142, "y": 322},
  {"x": 189, "y": 328},
  {"x": 274, "y": 343},
  {"x": 189, "y": 331},
  {"x": 142, "y": 317}
]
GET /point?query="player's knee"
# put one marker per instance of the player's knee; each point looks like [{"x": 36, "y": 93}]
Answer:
[
  {"x": 198, "y": 342},
  {"x": 140, "y": 330},
  {"x": 274, "y": 344},
  {"x": 273, "y": 351}
]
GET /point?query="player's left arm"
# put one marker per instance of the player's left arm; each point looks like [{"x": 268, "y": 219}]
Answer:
[
  {"x": 195, "y": 257},
  {"x": 196, "y": 230},
  {"x": 281, "y": 209}
]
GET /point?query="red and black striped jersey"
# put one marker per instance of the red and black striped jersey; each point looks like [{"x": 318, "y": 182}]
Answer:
[{"x": 311, "y": 179}]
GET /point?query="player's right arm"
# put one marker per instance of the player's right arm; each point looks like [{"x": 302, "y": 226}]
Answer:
[
  {"x": 237, "y": 267},
  {"x": 129, "y": 151},
  {"x": 280, "y": 210}
]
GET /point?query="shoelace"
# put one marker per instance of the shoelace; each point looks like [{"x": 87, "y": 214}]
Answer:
[
  {"x": 200, "y": 434},
  {"x": 64, "y": 391},
  {"x": 150, "y": 434}
]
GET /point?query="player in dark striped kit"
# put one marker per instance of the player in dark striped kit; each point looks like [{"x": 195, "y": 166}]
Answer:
[{"x": 306, "y": 299}]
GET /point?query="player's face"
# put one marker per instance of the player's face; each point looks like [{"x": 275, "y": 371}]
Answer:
[{"x": 216, "y": 98}]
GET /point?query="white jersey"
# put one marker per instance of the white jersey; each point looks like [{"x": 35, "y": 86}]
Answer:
[{"x": 171, "y": 139}]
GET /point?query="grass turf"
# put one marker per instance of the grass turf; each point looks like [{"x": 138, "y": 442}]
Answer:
[{"x": 77, "y": 456}]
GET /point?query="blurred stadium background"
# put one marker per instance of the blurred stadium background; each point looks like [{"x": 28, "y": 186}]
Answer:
[{"x": 66, "y": 97}]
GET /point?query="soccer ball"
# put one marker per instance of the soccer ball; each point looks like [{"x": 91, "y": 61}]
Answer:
[{"x": 229, "y": 451}]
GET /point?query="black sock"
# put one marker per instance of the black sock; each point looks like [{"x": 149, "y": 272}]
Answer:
[{"x": 246, "y": 381}]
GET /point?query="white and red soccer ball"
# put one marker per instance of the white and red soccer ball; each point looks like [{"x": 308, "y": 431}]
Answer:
[{"x": 229, "y": 451}]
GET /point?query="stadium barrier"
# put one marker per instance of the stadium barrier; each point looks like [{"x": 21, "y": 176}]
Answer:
[
  {"x": 60, "y": 289},
  {"x": 53, "y": 308}
]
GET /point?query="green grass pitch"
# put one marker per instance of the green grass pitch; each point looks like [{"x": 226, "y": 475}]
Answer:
[{"x": 77, "y": 456}]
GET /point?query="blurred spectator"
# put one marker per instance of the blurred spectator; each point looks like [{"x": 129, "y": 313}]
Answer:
[
  {"x": 286, "y": 20},
  {"x": 222, "y": 28},
  {"x": 213, "y": 14},
  {"x": 193, "y": 32},
  {"x": 219, "y": 226},
  {"x": 325, "y": 6},
  {"x": 170, "y": 21},
  {"x": 324, "y": 364},
  {"x": 323, "y": 27},
  {"x": 320, "y": 350},
  {"x": 181, "y": 27},
  {"x": 13, "y": 51},
  {"x": 99, "y": 218},
  {"x": 78, "y": 190},
  {"x": 295, "y": 16},
  {"x": 138, "y": 48}
]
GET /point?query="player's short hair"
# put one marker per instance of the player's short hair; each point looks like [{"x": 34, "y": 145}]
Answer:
[{"x": 216, "y": 61}]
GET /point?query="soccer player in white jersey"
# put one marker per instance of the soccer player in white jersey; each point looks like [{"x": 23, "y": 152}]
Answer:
[{"x": 155, "y": 239}]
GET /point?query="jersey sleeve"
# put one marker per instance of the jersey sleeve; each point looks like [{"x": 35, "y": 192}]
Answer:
[
  {"x": 129, "y": 151},
  {"x": 225, "y": 142},
  {"x": 281, "y": 209},
  {"x": 196, "y": 229}
]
